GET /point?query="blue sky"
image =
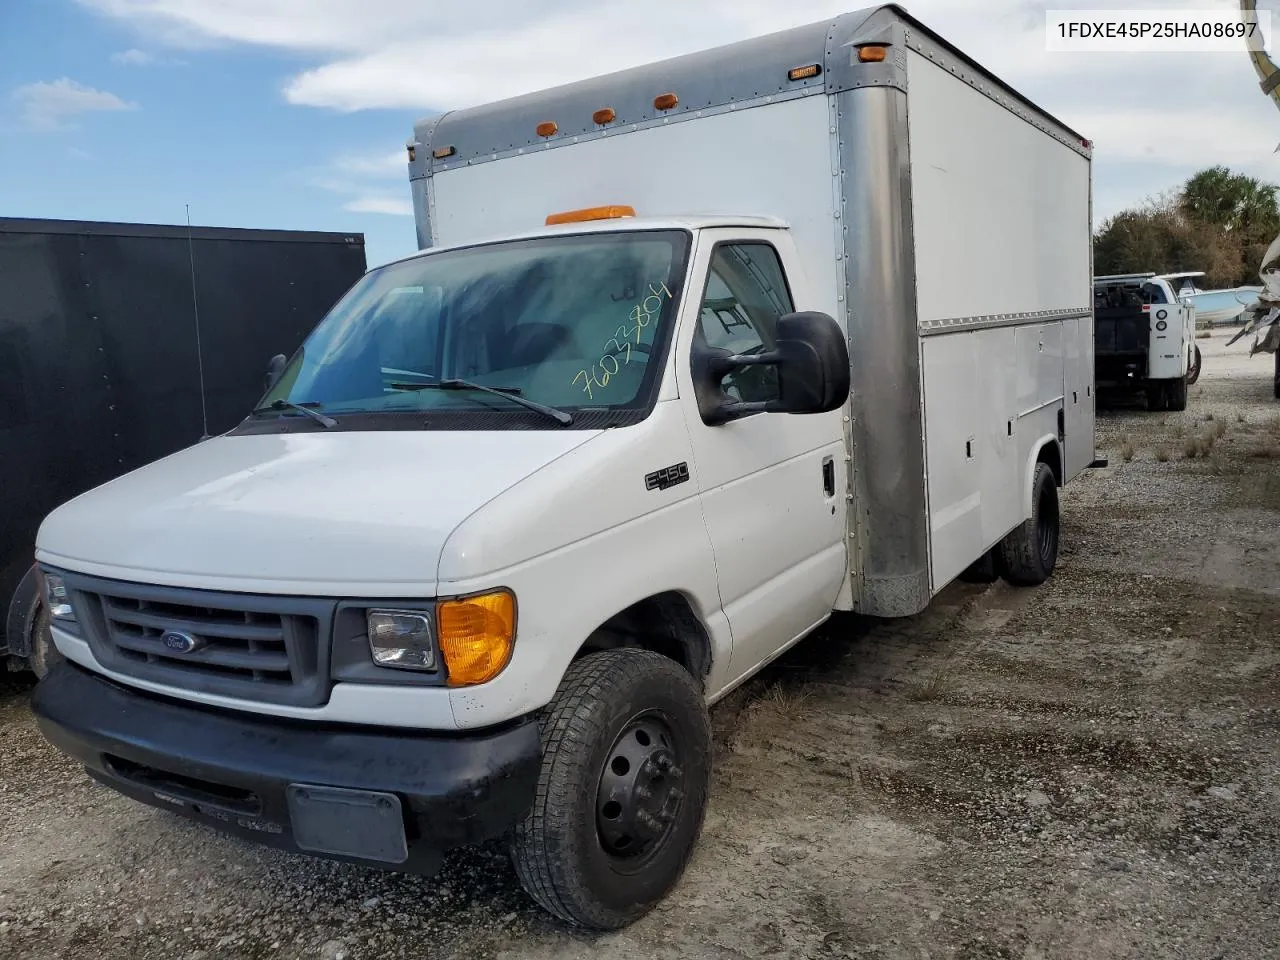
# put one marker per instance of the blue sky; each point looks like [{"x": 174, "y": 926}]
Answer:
[
  {"x": 294, "y": 113},
  {"x": 205, "y": 127}
]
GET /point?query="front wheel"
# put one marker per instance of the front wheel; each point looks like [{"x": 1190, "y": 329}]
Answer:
[
  {"x": 626, "y": 764},
  {"x": 1029, "y": 553}
]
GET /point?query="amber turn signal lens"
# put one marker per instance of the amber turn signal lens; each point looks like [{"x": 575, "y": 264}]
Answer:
[
  {"x": 605, "y": 115},
  {"x": 413, "y": 154},
  {"x": 476, "y": 636},
  {"x": 666, "y": 101},
  {"x": 871, "y": 54},
  {"x": 441, "y": 152},
  {"x": 804, "y": 73},
  {"x": 547, "y": 129}
]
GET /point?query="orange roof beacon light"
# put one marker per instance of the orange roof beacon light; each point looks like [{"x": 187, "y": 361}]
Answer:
[
  {"x": 604, "y": 115},
  {"x": 547, "y": 128},
  {"x": 872, "y": 53},
  {"x": 665, "y": 101},
  {"x": 612, "y": 212}
]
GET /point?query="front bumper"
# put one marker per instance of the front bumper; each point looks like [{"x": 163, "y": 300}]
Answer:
[{"x": 378, "y": 797}]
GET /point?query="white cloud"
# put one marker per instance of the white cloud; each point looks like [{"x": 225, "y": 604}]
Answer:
[
  {"x": 48, "y": 106},
  {"x": 133, "y": 58},
  {"x": 390, "y": 205}
]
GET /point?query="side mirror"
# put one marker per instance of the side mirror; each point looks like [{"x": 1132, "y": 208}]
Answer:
[
  {"x": 812, "y": 360},
  {"x": 275, "y": 368}
]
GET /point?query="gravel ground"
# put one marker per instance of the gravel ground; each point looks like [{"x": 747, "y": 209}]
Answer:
[{"x": 1086, "y": 770}]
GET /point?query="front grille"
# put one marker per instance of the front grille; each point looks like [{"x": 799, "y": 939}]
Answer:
[{"x": 267, "y": 649}]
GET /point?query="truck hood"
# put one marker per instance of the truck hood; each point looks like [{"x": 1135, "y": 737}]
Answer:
[{"x": 333, "y": 514}]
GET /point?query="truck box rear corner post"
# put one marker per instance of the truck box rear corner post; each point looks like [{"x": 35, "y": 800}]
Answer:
[{"x": 890, "y": 543}]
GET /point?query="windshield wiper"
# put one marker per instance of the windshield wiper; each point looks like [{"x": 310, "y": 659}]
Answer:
[
  {"x": 277, "y": 405},
  {"x": 510, "y": 393}
]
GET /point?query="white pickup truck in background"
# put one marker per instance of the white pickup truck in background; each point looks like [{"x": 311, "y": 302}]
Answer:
[
  {"x": 695, "y": 355},
  {"x": 1145, "y": 338}
]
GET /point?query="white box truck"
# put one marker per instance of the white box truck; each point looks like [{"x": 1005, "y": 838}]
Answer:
[{"x": 696, "y": 354}]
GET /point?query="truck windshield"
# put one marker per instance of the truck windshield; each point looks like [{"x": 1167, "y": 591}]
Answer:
[{"x": 575, "y": 322}]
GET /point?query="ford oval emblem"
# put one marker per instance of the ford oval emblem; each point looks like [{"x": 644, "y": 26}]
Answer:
[{"x": 180, "y": 642}]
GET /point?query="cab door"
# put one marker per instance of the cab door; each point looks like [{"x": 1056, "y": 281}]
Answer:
[{"x": 773, "y": 485}]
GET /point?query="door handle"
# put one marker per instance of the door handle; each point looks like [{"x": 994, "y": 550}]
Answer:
[{"x": 829, "y": 476}]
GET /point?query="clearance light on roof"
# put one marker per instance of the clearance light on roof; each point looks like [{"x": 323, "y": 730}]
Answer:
[
  {"x": 547, "y": 128},
  {"x": 804, "y": 73},
  {"x": 441, "y": 152},
  {"x": 873, "y": 53},
  {"x": 665, "y": 101},
  {"x": 604, "y": 115},
  {"x": 413, "y": 154},
  {"x": 612, "y": 212}
]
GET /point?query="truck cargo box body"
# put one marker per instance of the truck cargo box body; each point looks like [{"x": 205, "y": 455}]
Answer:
[{"x": 941, "y": 218}]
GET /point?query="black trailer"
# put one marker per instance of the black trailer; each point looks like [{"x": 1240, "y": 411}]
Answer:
[{"x": 122, "y": 343}]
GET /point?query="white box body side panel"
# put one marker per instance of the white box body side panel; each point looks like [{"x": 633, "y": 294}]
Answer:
[
  {"x": 992, "y": 399},
  {"x": 715, "y": 165},
  {"x": 1078, "y": 398},
  {"x": 1001, "y": 210}
]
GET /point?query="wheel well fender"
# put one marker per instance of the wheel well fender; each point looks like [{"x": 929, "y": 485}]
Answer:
[
  {"x": 1046, "y": 450},
  {"x": 664, "y": 623}
]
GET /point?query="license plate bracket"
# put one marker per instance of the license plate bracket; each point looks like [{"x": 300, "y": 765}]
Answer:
[{"x": 366, "y": 824}]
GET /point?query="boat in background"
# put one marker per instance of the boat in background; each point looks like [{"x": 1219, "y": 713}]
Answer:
[{"x": 1214, "y": 308}]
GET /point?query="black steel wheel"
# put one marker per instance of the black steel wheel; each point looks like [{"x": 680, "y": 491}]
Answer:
[
  {"x": 640, "y": 791},
  {"x": 626, "y": 763}
]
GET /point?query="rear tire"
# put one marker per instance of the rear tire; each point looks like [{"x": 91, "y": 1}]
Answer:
[
  {"x": 1197, "y": 361},
  {"x": 1029, "y": 553},
  {"x": 626, "y": 764},
  {"x": 1175, "y": 395},
  {"x": 982, "y": 570},
  {"x": 1155, "y": 395}
]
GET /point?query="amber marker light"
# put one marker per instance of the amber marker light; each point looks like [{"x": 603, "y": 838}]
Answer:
[{"x": 476, "y": 636}]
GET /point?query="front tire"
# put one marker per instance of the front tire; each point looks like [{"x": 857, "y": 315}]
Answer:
[
  {"x": 1029, "y": 553},
  {"x": 626, "y": 764}
]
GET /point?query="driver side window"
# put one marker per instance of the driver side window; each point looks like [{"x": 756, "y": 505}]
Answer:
[{"x": 746, "y": 294}]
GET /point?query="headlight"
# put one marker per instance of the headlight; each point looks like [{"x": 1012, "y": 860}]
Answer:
[
  {"x": 476, "y": 636},
  {"x": 59, "y": 601},
  {"x": 401, "y": 638}
]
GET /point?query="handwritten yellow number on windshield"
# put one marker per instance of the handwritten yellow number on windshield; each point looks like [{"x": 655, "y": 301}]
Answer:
[{"x": 640, "y": 315}]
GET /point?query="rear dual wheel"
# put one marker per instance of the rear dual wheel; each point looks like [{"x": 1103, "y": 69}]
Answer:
[{"x": 626, "y": 761}]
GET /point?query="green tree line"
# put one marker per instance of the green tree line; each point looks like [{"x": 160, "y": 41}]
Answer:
[{"x": 1218, "y": 221}]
